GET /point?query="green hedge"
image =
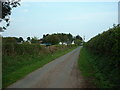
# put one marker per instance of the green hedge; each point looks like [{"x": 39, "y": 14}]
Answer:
[
  {"x": 106, "y": 48},
  {"x": 106, "y": 43},
  {"x": 21, "y": 49}
]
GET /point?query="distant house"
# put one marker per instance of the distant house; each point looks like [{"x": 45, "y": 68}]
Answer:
[
  {"x": 73, "y": 42},
  {"x": 62, "y": 43}
]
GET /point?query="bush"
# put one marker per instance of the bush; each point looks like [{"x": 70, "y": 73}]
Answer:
[
  {"x": 106, "y": 43},
  {"x": 20, "y": 49}
]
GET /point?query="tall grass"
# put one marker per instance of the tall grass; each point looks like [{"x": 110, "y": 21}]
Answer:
[{"x": 101, "y": 68}]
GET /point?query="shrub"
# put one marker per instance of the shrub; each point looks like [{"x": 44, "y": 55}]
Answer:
[{"x": 107, "y": 47}]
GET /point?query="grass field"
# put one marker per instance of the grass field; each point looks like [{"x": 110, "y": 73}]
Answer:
[
  {"x": 16, "y": 67},
  {"x": 99, "y": 68}
]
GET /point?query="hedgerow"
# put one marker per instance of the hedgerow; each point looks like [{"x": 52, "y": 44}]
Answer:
[
  {"x": 106, "y": 48},
  {"x": 106, "y": 43}
]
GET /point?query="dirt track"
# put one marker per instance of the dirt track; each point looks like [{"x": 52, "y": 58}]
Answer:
[{"x": 60, "y": 73}]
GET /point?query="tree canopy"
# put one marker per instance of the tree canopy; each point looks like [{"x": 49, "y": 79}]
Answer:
[
  {"x": 7, "y": 6},
  {"x": 60, "y": 37}
]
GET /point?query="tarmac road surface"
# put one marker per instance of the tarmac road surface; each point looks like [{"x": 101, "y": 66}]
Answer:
[{"x": 63, "y": 72}]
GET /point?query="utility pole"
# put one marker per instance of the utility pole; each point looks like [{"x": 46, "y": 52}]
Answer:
[
  {"x": 119, "y": 12},
  {"x": 84, "y": 38}
]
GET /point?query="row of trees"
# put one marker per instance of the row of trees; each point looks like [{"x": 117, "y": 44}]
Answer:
[
  {"x": 61, "y": 37},
  {"x": 47, "y": 39},
  {"x": 15, "y": 40}
]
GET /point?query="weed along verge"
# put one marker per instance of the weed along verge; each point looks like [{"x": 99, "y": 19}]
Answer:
[{"x": 21, "y": 59}]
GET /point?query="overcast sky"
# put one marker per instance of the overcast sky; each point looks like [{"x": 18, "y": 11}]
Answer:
[{"x": 78, "y": 18}]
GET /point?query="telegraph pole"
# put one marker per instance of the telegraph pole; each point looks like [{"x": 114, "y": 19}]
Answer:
[
  {"x": 119, "y": 12},
  {"x": 84, "y": 38}
]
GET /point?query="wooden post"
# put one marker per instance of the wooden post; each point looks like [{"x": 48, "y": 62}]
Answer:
[{"x": 119, "y": 12}]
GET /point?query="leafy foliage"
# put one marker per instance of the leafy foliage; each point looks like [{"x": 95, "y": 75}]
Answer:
[
  {"x": 28, "y": 38},
  {"x": 61, "y": 37},
  {"x": 78, "y": 37},
  {"x": 106, "y": 47},
  {"x": 34, "y": 40},
  {"x": 77, "y": 41},
  {"x": 12, "y": 40},
  {"x": 106, "y": 43},
  {"x": 20, "y": 49},
  {"x": 53, "y": 39},
  {"x": 7, "y": 6}
]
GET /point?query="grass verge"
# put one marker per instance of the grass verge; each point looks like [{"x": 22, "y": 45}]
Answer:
[
  {"x": 98, "y": 67},
  {"x": 23, "y": 65},
  {"x": 85, "y": 66}
]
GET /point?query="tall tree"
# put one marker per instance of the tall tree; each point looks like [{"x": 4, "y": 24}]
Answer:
[
  {"x": 28, "y": 38},
  {"x": 35, "y": 40},
  {"x": 78, "y": 37},
  {"x": 20, "y": 39},
  {"x": 70, "y": 38},
  {"x": 7, "y": 6},
  {"x": 77, "y": 41},
  {"x": 53, "y": 39},
  {"x": 63, "y": 38},
  {"x": 58, "y": 37}
]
